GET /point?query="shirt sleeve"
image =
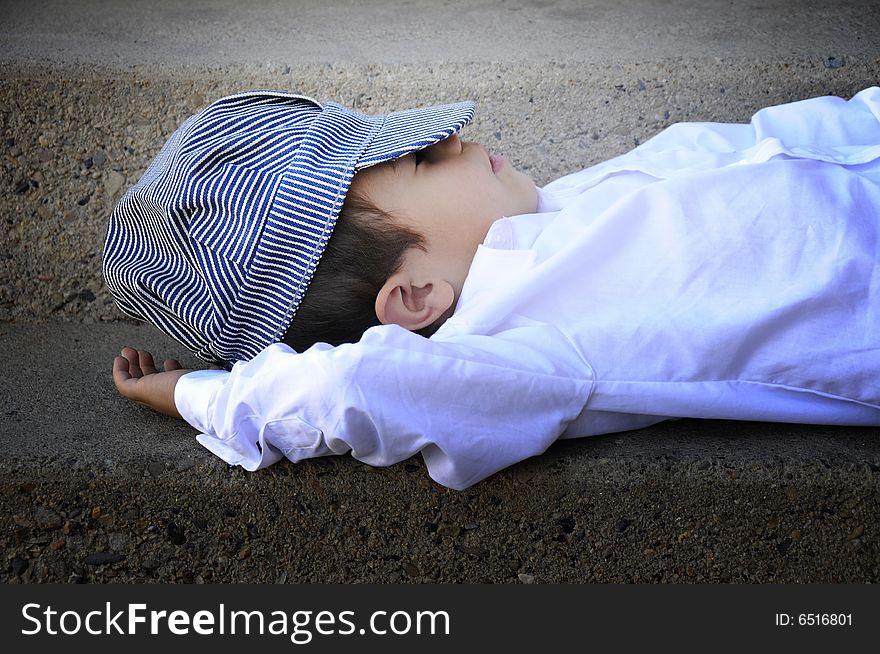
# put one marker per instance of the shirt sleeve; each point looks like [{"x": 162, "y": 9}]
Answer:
[{"x": 471, "y": 406}]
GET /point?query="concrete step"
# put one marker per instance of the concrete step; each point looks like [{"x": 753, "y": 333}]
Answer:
[{"x": 87, "y": 475}]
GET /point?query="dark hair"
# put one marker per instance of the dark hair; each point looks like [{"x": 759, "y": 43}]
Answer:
[{"x": 367, "y": 247}]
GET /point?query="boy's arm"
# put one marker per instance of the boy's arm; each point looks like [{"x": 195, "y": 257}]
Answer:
[
  {"x": 471, "y": 406},
  {"x": 136, "y": 378}
]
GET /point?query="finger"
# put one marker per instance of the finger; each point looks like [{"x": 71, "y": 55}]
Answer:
[
  {"x": 131, "y": 355},
  {"x": 121, "y": 375},
  {"x": 145, "y": 359},
  {"x": 171, "y": 364},
  {"x": 120, "y": 369}
]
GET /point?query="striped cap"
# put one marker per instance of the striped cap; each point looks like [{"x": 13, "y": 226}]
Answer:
[{"x": 218, "y": 241}]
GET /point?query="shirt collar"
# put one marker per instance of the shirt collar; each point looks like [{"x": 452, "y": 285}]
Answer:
[{"x": 495, "y": 267}]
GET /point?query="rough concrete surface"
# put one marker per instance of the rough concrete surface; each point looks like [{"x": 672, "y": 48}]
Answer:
[{"x": 93, "y": 488}]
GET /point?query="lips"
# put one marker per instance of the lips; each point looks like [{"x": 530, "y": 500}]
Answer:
[{"x": 497, "y": 162}]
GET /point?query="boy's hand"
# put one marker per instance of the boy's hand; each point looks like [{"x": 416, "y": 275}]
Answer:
[{"x": 137, "y": 379}]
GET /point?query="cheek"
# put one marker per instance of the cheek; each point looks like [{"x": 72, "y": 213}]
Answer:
[
  {"x": 492, "y": 195},
  {"x": 479, "y": 199}
]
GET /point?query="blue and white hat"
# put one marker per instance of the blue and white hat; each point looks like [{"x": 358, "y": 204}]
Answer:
[{"x": 218, "y": 241}]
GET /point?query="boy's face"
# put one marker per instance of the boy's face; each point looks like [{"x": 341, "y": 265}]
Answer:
[{"x": 451, "y": 193}]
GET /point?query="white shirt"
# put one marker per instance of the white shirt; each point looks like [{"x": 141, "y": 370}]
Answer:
[{"x": 716, "y": 271}]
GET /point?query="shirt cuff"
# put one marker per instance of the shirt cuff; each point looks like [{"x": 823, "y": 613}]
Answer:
[{"x": 193, "y": 393}]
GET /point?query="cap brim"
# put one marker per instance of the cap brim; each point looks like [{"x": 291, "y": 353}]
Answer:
[{"x": 403, "y": 132}]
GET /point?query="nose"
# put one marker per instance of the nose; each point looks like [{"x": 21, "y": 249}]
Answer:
[{"x": 448, "y": 147}]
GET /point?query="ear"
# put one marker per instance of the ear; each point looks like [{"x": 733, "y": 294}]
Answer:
[{"x": 400, "y": 302}]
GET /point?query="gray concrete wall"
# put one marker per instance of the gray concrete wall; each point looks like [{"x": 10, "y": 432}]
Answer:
[{"x": 93, "y": 488}]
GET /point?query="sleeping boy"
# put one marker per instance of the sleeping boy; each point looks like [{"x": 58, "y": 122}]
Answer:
[{"x": 374, "y": 285}]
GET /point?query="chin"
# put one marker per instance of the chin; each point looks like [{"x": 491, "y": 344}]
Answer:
[{"x": 528, "y": 191}]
